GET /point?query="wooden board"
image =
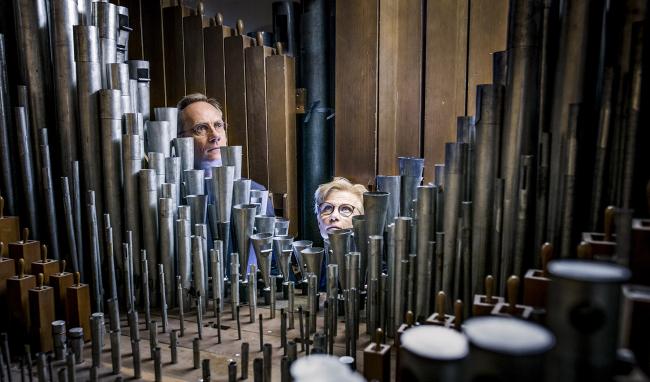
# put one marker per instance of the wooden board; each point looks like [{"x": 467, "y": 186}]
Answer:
[
  {"x": 174, "y": 53},
  {"x": 152, "y": 43},
  {"x": 136, "y": 52},
  {"x": 445, "y": 77},
  {"x": 281, "y": 120},
  {"x": 194, "y": 57},
  {"x": 256, "y": 113},
  {"x": 236, "y": 94},
  {"x": 355, "y": 151},
  {"x": 400, "y": 82},
  {"x": 488, "y": 33},
  {"x": 215, "y": 72}
]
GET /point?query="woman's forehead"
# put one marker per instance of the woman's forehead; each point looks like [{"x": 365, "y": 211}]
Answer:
[{"x": 341, "y": 196}]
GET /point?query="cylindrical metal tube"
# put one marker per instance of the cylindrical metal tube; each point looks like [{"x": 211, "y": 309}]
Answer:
[
  {"x": 77, "y": 344},
  {"x": 159, "y": 137},
  {"x": 163, "y": 297},
  {"x": 232, "y": 156},
  {"x": 146, "y": 297},
  {"x": 223, "y": 181},
  {"x": 291, "y": 304},
  {"x": 169, "y": 114},
  {"x": 96, "y": 284},
  {"x": 583, "y": 290},
  {"x": 184, "y": 248},
  {"x": 116, "y": 352},
  {"x": 7, "y": 151},
  {"x": 194, "y": 182},
  {"x": 180, "y": 297},
  {"x": 167, "y": 249},
  {"x": 244, "y": 219},
  {"x": 139, "y": 70},
  {"x": 153, "y": 339},
  {"x": 441, "y": 360},
  {"x": 234, "y": 282},
  {"x": 313, "y": 302},
  {"x": 132, "y": 165},
  {"x": 196, "y": 352},
  {"x": 135, "y": 354},
  {"x": 252, "y": 292},
  {"x": 340, "y": 242},
  {"x": 157, "y": 365},
  {"x": 273, "y": 293},
  {"x": 497, "y": 352},
  {"x": 332, "y": 291},
  {"x": 402, "y": 241},
  {"x": 455, "y": 155},
  {"x": 148, "y": 187},
  {"x": 410, "y": 170},
  {"x": 97, "y": 334},
  {"x": 198, "y": 266},
  {"x": 173, "y": 345},
  {"x": 268, "y": 349},
  {"x": 50, "y": 209},
  {"x": 64, "y": 16},
  {"x": 425, "y": 211},
  {"x": 118, "y": 78},
  {"x": 59, "y": 339},
  {"x": 26, "y": 168}
]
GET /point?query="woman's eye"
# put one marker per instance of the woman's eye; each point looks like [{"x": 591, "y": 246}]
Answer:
[{"x": 345, "y": 209}]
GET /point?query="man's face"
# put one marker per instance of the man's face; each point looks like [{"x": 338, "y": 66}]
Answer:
[
  {"x": 332, "y": 211},
  {"x": 204, "y": 123}
]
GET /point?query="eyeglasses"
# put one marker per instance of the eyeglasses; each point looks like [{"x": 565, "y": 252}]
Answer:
[
  {"x": 202, "y": 129},
  {"x": 326, "y": 209}
]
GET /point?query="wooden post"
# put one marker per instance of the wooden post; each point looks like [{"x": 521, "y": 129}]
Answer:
[
  {"x": 78, "y": 306},
  {"x": 45, "y": 266},
  {"x": 28, "y": 250},
  {"x": 41, "y": 311}
]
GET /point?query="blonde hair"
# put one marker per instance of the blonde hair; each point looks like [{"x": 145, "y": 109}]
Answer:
[{"x": 338, "y": 184}]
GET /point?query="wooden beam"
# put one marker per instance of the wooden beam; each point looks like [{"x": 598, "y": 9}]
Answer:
[
  {"x": 488, "y": 33},
  {"x": 355, "y": 151},
  {"x": 136, "y": 51},
  {"x": 215, "y": 71},
  {"x": 445, "y": 77},
  {"x": 281, "y": 119},
  {"x": 194, "y": 57},
  {"x": 236, "y": 91},
  {"x": 256, "y": 112},
  {"x": 174, "y": 53},
  {"x": 400, "y": 82},
  {"x": 152, "y": 44}
]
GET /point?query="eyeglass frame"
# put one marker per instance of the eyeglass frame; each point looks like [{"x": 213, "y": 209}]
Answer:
[
  {"x": 336, "y": 208},
  {"x": 192, "y": 131}
]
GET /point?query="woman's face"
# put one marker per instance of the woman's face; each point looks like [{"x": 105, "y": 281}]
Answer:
[{"x": 332, "y": 211}]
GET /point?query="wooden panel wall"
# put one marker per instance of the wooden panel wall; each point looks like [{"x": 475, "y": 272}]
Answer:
[
  {"x": 152, "y": 44},
  {"x": 355, "y": 90},
  {"x": 174, "y": 54},
  {"x": 215, "y": 72},
  {"x": 194, "y": 57},
  {"x": 488, "y": 31},
  {"x": 405, "y": 70},
  {"x": 400, "y": 82}
]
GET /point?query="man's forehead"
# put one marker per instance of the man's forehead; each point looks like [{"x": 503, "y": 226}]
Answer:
[{"x": 201, "y": 112}]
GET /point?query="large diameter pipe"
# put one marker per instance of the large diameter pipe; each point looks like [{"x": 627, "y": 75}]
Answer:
[
  {"x": 425, "y": 212},
  {"x": 222, "y": 179},
  {"x": 375, "y": 206},
  {"x": 63, "y": 16},
  {"x": 118, "y": 78},
  {"x": 392, "y": 185},
  {"x": 159, "y": 137},
  {"x": 454, "y": 164},
  {"x": 111, "y": 130},
  {"x": 244, "y": 218},
  {"x": 106, "y": 21},
  {"x": 340, "y": 241},
  {"x": 489, "y": 100},
  {"x": 139, "y": 71},
  {"x": 169, "y": 114},
  {"x": 88, "y": 84},
  {"x": 232, "y": 156},
  {"x": 410, "y": 169}
]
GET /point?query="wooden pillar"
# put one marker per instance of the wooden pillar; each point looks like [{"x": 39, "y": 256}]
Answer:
[
  {"x": 281, "y": 119},
  {"x": 355, "y": 148},
  {"x": 174, "y": 54},
  {"x": 400, "y": 82},
  {"x": 194, "y": 57},
  {"x": 215, "y": 70},
  {"x": 152, "y": 44},
  {"x": 256, "y": 111}
]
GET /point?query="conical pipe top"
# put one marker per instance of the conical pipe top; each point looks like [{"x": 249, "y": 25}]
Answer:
[
  {"x": 222, "y": 183},
  {"x": 284, "y": 262},
  {"x": 262, "y": 241},
  {"x": 313, "y": 259},
  {"x": 231, "y": 156},
  {"x": 340, "y": 240},
  {"x": 264, "y": 224},
  {"x": 375, "y": 206},
  {"x": 411, "y": 171},
  {"x": 281, "y": 243},
  {"x": 198, "y": 208},
  {"x": 411, "y": 166},
  {"x": 244, "y": 219},
  {"x": 261, "y": 197},
  {"x": 264, "y": 263},
  {"x": 392, "y": 185},
  {"x": 298, "y": 246}
]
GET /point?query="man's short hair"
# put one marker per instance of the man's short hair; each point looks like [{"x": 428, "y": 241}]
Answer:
[
  {"x": 338, "y": 184},
  {"x": 190, "y": 99}
]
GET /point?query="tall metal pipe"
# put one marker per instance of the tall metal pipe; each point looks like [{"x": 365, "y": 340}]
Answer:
[
  {"x": 32, "y": 34},
  {"x": 6, "y": 133},
  {"x": 139, "y": 71},
  {"x": 169, "y": 114},
  {"x": 401, "y": 253},
  {"x": 148, "y": 197},
  {"x": 232, "y": 156},
  {"x": 313, "y": 258},
  {"x": 489, "y": 101},
  {"x": 45, "y": 178},
  {"x": 340, "y": 242},
  {"x": 262, "y": 245},
  {"x": 173, "y": 175},
  {"x": 110, "y": 114},
  {"x": 298, "y": 246},
  {"x": 27, "y": 169},
  {"x": 375, "y": 206},
  {"x": 222, "y": 180},
  {"x": 361, "y": 242},
  {"x": 89, "y": 82},
  {"x": 410, "y": 169},
  {"x": 241, "y": 191},
  {"x": 69, "y": 224},
  {"x": 95, "y": 258},
  {"x": 184, "y": 256},
  {"x": 106, "y": 20},
  {"x": 567, "y": 234},
  {"x": 425, "y": 213},
  {"x": 455, "y": 155},
  {"x": 76, "y": 210},
  {"x": 131, "y": 166},
  {"x": 167, "y": 249},
  {"x": 198, "y": 267},
  {"x": 523, "y": 213},
  {"x": 123, "y": 32},
  {"x": 63, "y": 16}
]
